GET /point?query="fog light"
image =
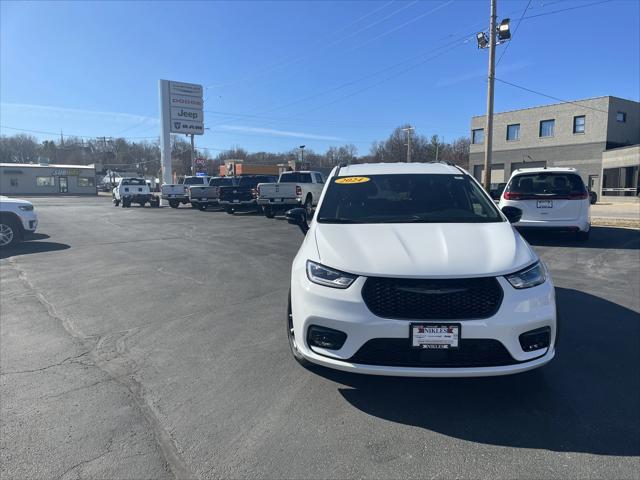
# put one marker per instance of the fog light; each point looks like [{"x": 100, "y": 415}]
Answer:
[
  {"x": 325, "y": 337},
  {"x": 535, "y": 339}
]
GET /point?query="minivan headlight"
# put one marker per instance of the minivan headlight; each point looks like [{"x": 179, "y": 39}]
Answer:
[
  {"x": 25, "y": 208},
  {"x": 529, "y": 277},
  {"x": 328, "y": 276}
]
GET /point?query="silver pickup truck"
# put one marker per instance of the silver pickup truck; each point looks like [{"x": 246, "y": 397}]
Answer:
[
  {"x": 293, "y": 189},
  {"x": 207, "y": 196},
  {"x": 178, "y": 193}
]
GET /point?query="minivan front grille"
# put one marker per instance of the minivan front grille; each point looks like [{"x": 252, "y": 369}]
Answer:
[{"x": 441, "y": 299}]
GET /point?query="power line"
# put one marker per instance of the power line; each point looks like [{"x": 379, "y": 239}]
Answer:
[
  {"x": 575, "y": 7},
  {"x": 68, "y": 135},
  {"x": 550, "y": 96},
  {"x": 515, "y": 30},
  {"x": 276, "y": 66}
]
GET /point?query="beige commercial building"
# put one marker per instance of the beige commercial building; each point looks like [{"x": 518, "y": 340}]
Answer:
[
  {"x": 47, "y": 179},
  {"x": 598, "y": 136}
]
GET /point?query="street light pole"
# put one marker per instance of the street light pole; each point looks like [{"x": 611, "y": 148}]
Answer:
[
  {"x": 488, "y": 134},
  {"x": 301, "y": 157}
]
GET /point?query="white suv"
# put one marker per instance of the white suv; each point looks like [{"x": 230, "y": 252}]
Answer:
[
  {"x": 411, "y": 270},
  {"x": 550, "y": 198},
  {"x": 17, "y": 220}
]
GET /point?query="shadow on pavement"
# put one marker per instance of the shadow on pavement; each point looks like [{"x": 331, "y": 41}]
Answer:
[
  {"x": 586, "y": 400},
  {"x": 29, "y": 247},
  {"x": 601, "y": 237}
]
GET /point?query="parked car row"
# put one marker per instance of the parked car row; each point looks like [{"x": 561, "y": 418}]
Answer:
[{"x": 264, "y": 194}]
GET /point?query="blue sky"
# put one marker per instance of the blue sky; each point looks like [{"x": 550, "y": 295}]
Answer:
[{"x": 282, "y": 74}]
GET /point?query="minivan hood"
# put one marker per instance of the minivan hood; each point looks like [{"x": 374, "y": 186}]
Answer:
[{"x": 423, "y": 249}]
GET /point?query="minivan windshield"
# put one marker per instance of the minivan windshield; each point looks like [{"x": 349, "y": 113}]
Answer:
[{"x": 406, "y": 198}]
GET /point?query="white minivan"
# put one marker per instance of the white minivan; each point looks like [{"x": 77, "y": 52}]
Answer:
[
  {"x": 550, "y": 198},
  {"x": 410, "y": 269}
]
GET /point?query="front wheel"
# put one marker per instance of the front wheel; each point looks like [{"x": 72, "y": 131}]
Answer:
[
  {"x": 202, "y": 207},
  {"x": 291, "y": 336},
  {"x": 174, "y": 203},
  {"x": 229, "y": 210},
  {"x": 9, "y": 233}
]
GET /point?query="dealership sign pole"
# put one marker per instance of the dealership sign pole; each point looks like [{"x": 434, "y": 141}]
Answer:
[{"x": 181, "y": 111}]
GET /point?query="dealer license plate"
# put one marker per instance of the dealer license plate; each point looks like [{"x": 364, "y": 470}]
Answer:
[
  {"x": 435, "y": 335},
  {"x": 545, "y": 203}
]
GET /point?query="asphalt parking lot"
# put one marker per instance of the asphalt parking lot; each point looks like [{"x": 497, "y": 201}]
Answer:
[{"x": 150, "y": 343}]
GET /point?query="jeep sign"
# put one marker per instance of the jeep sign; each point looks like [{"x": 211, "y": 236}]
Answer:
[{"x": 186, "y": 114}]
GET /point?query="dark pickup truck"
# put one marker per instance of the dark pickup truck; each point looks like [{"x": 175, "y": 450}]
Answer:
[{"x": 243, "y": 196}]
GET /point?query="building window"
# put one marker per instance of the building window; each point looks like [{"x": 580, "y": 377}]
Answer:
[
  {"x": 621, "y": 117},
  {"x": 547, "y": 127},
  {"x": 578, "y": 124},
  {"x": 14, "y": 182},
  {"x": 477, "y": 136},
  {"x": 86, "y": 182},
  {"x": 45, "y": 181},
  {"x": 513, "y": 132}
]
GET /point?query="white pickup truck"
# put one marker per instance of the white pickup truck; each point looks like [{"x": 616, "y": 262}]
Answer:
[
  {"x": 178, "y": 193},
  {"x": 294, "y": 189},
  {"x": 134, "y": 190}
]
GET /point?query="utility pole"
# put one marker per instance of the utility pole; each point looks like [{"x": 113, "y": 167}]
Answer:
[
  {"x": 409, "y": 130},
  {"x": 488, "y": 134},
  {"x": 193, "y": 156}
]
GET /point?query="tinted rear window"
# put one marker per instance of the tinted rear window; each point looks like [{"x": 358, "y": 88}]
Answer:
[
  {"x": 546, "y": 183},
  {"x": 220, "y": 182},
  {"x": 195, "y": 181},
  {"x": 295, "y": 177},
  {"x": 134, "y": 181}
]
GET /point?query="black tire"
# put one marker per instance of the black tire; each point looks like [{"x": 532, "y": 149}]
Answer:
[
  {"x": 155, "y": 203},
  {"x": 9, "y": 232},
  {"x": 229, "y": 210},
  {"x": 123, "y": 203},
  {"x": 174, "y": 203},
  {"x": 202, "y": 207},
  {"x": 583, "y": 236},
  {"x": 116, "y": 202},
  {"x": 195, "y": 206},
  {"x": 291, "y": 337},
  {"x": 268, "y": 212},
  {"x": 593, "y": 198}
]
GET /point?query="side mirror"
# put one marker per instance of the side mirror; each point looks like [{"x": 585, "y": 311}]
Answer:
[
  {"x": 298, "y": 216},
  {"x": 513, "y": 214}
]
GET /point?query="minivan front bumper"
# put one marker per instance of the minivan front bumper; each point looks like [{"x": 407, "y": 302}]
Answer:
[{"x": 521, "y": 311}]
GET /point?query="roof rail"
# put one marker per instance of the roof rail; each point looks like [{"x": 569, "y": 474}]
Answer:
[{"x": 343, "y": 164}]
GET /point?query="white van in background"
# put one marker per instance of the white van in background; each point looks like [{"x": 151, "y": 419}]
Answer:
[{"x": 550, "y": 198}]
